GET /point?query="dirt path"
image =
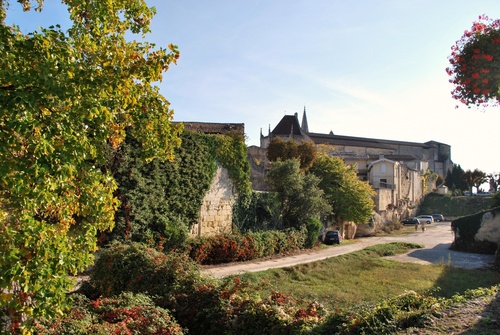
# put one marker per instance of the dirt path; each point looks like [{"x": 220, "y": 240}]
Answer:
[{"x": 436, "y": 239}]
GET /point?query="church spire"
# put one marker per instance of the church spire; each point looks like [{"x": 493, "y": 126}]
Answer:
[{"x": 304, "y": 125}]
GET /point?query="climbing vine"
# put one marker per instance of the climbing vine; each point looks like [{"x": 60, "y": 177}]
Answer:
[{"x": 160, "y": 201}]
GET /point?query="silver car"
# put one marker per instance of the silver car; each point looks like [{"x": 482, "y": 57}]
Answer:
[{"x": 425, "y": 219}]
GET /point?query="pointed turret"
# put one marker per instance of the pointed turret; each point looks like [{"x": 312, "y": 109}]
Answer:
[{"x": 305, "y": 127}]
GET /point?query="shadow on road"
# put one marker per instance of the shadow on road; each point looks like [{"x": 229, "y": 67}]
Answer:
[{"x": 442, "y": 254}]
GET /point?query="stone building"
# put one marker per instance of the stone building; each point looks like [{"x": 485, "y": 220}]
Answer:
[{"x": 393, "y": 168}]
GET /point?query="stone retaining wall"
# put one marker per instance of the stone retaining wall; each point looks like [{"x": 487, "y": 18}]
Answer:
[{"x": 216, "y": 212}]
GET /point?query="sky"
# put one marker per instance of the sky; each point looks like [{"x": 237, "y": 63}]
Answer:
[{"x": 360, "y": 68}]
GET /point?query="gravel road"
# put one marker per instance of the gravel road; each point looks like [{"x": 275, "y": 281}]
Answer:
[{"x": 436, "y": 240}]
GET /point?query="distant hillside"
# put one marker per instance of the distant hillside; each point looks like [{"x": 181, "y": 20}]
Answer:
[{"x": 453, "y": 207}]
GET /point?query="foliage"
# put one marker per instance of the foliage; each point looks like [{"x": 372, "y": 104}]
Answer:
[
  {"x": 124, "y": 314},
  {"x": 313, "y": 228},
  {"x": 465, "y": 230},
  {"x": 474, "y": 178},
  {"x": 67, "y": 98},
  {"x": 231, "y": 152},
  {"x": 282, "y": 150},
  {"x": 496, "y": 200},
  {"x": 452, "y": 206},
  {"x": 301, "y": 198},
  {"x": 140, "y": 269},
  {"x": 474, "y": 67},
  {"x": 225, "y": 248},
  {"x": 349, "y": 197},
  {"x": 161, "y": 200},
  {"x": 455, "y": 179},
  {"x": 256, "y": 211}
]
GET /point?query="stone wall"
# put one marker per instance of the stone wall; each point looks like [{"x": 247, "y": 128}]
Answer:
[
  {"x": 490, "y": 227},
  {"x": 216, "y": 212}
]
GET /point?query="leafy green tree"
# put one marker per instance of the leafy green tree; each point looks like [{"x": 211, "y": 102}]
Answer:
[
  {"x": 474, "y": 179},
  {"x": 280, "y": 149},
  {"x": 66, "y": 100},
  {"x": 455, "y": 179},
  {"x": 301, "y": 198},
  {"x": 349, "y": 197}
]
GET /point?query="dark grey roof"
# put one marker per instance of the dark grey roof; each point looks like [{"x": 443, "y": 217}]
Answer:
[
  {"x": 289, "y": 125},
  {"x": 362, "y": 141}
]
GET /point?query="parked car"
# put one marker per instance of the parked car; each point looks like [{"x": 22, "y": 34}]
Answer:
[
  {"x": 425, "y": 218},
  {"x": 438, "y": 217},
  {"x": 411, "y": 220},
  {"x": 332, "y": 236}
]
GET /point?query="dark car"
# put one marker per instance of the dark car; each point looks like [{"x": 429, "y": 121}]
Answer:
[
  {"x": 410, "y": 221},
  {"x": 332, "y": 237},
  {"x": 438, "y": 217}
]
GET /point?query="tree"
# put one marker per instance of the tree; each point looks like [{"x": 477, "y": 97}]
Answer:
[
  {"x": 301, "y": 198},
  {"x": 493, "y": 180},
  {"x": 66, "y": 100},
  {"x": 350, "y": 198},
  {"x": 279, "y": 149},
  {"x": 455, "y": 179},
  {"x": 475, "y": 179},
  {"x": 474, "y": 64}
]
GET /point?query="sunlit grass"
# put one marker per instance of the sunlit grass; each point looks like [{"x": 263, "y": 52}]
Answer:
[{"x": 366, "y": 277}]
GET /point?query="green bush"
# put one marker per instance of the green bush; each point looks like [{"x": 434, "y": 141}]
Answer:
[
  {"x": 256, "y": 211},
  {"x": 137, "y": 268},
  {"x": 465, "y": 230},
  {"x": 313, "y": 228},
  {"x": 124, "y": 314}
]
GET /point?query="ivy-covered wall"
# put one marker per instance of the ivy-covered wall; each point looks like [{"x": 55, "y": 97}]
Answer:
[
  {"x": 478, "y": 233},
  {"x": 160, "y": 202}
]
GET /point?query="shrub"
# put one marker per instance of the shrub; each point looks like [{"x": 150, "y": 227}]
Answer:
[
  {"x": 226, "y": 248},
  {"x": 140, "y": 269},
  {"x": 313, "y": 228},
  {"x": 124, "y": 314}
]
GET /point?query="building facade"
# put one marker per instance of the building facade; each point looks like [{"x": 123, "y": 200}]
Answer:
[{"x": 395, "y": 169}]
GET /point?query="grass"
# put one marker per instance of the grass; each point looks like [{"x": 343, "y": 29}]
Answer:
[{"x": 366, "y": 277}]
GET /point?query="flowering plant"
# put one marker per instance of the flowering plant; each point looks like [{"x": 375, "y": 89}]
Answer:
[{"x": 475, "y": 64}]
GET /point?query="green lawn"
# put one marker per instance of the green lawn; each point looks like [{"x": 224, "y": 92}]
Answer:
[{"x": 366, "y": 277}]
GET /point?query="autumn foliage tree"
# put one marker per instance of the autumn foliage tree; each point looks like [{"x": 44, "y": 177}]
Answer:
[
  {"x": 475, "y": 64},
  {"x": 66, "y": 98},
  {"x": 279, "y": 149}
]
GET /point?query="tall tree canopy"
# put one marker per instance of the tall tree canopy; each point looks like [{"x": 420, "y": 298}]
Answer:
[
  {"x": 301, "y": 198},
  {"x": 475, "y": 179},
  {"x": 455, "y": 179},
  {"x": 475, "y": 60},
  {"x": 350, "y": 198},
  {"x": 66, "y": 98},
  {"x": 280, "y": 149}
]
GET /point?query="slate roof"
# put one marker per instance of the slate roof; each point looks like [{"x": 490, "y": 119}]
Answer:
[
  {"x": 289, "y": 125},
  {"x": 362, "y": 141}
]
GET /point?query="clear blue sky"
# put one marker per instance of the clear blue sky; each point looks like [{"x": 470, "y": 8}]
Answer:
[{"x": 361, "y": 68}]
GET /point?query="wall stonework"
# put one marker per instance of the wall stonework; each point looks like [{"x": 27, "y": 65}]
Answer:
[
  {"x": 216, "y": 212},
  {"x": 490, "y": 227}
]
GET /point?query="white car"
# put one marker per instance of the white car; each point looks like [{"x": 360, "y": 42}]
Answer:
[{"x": 425, "y": 219}]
